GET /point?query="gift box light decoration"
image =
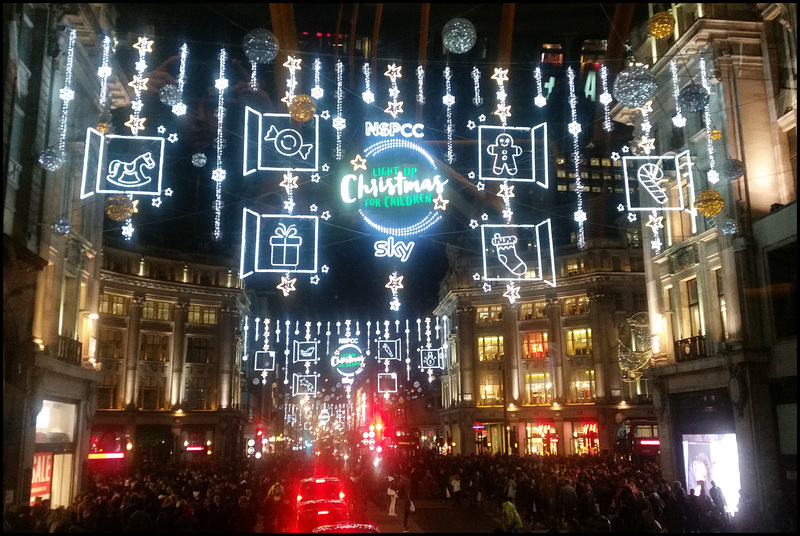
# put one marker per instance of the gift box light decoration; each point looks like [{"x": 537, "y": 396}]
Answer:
[
  {"x": 709, "y": 203},
  {"x": 661, "y": 25},
  {"x": 634, "y": 86},
  {"x": 459, "y": 35}
]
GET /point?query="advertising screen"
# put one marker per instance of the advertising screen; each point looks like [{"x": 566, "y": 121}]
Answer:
[{"x": 713, "y": 457}]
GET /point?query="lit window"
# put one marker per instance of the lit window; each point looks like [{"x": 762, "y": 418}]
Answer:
[
  {"x": 490, "y": 313},
  {"x": 582, "y": 386},
  {"x": 576, "y": 305},
  {"x": 538, "y": 389},
  {"x": 534, "y": 345},
  {"x": 490, "y": 348},
  {"x": 491, "y": 390},
  {"x": 579, "y": 341}
]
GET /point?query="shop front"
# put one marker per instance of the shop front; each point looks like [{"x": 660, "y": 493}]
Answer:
[
  {"x": 585, "y": 439},
  {"x": 541, "y": 438},
  {"x": 55, "y": 450}
]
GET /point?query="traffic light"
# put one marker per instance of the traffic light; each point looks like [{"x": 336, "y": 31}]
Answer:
[{"x": 259, "y": 434}]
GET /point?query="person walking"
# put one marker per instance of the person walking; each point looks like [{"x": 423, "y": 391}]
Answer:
[
  {"x": 512, "y": 522},
  {"x": 457, "y": 490},
  {"x": 404, "y": 498},
  {"x": 391, "y": 491}
]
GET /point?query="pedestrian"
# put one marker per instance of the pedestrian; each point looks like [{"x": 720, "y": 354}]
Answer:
[
  {"x": 457, "y": 490},
  {"x": 511, "y": 488},
  {"x": 391, "y": 491},
  {"x": 511, "y": 520},
  {"x": 404, "y": 498}
]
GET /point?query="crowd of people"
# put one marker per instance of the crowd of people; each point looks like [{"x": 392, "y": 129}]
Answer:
[{"x": 550, "y": 493}]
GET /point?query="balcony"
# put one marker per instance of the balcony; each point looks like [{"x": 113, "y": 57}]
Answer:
[
  {"x": 690, "y": 349},
  {"x": 69, "y": 350}
]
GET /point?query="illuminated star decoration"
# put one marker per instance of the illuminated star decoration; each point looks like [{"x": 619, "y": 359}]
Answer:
[
  {"x": 620, "y": 207},
  {"x": 289, "y": 182},
  {"x": 315, "y": 177},
  {"x": 135, "y": 124},
  {"x": 156, "y": 202},
  {"x": 503, "y": 110},
  {"x": 395, "y": 283},
  {"x": 172, "y": 138},
  {"x": 367, "y": 96},
  {"x": 476, "y": 276},
  {"x": 480, "y": 186},
  {"x": 512, "y": 292},
  {"x": 314, "y": 279},
  {"x": 325, "y": 115},
  {"x": 326, "y": 215},
  {"x": 473, "y": 224},
  {"x": 487, "y": 287},
  {"x": 161, "y": 129},
  {"x": 324, "y": 268},
  {"x": 440, "y": 203},
  {"x": 359, "y": 162},
  {"x": 287, "y": 284},
  {"x": 144, "y": 45},
  {"x": 127, "y": 230},
  {"x": 631, "y": 217},
  {"x": 655, "y": 223},
  {"x": 471, "y": 124}
]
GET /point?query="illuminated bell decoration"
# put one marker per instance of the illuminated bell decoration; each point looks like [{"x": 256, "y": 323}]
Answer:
[
  {"x": 733, "y": 170},
  {"x": 170, "y": 95},
  {"x": 119, "y": 207},
  {"x": 661, "y": 25},
  {"x": 634, "y": 86},
  {"x": 52, "y": 158},
  {"x": 199, "y": 160},
  {"x": 102, "y": 127},
  {"x": 693, "y": 97},
  {"x": 715, "y": 135},
  {"x": 260, "y": 45},
  {"x": 709, "y": 203},
  {"x": 459, "y": 36},
  {"x": 302, "y": 108}
]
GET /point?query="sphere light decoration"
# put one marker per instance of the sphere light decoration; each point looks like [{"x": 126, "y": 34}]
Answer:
[
  {"x": 729, "y": 227},
  {"x": 119, "y": 207},
  {"x": 62, "y": 227},
  {"x": 709, "y": 203},
  {"x": 302, "y": 108},
  {"x": 260, "y": 45},
  {"x": 634, "y": 86},
  {"x": 715, "y": 135},
  {"x": 693, "y": 97},
  {"x": 733, "y": 169},
  {"x": 102, "y": 127},
  {"x": 661, "y": 25},
  {"x": 52, "y": 158},
  {"x": 199, "y": 160},
  {"x": 459, "y": 36},
  {"x": 170, "y": 95}
]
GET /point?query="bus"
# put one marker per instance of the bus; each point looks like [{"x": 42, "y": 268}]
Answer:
[{"x": 637, "y": 441}]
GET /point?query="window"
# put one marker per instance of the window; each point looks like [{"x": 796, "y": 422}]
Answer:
[
  {"x": 606, "y": 162},
  {"x": 110, "y": 343},
  {"x": 157, "y": 310},
  {"x": 108, "y": 392},
  {"x": 640, "y": 301},
  {"x": 693, "y": 301},
  {"x": 491, "y": 313},
  {"x": 113, "y": 304},
  {"x": 202, "y": 314},
  {"x": 538, "y": 389},
  {"x": 534, "y": 345},
  {"x": 594, "y": 161},
  {"x": 529, "y": 310},
  {"x": 200, "y": 350},
  {"x": 579, "y": 341},
  {"x": 782, "y": 290},
  {"x": 152, "y": 391},
  {"x": 721, "y": 305},
  {"x": 490, "y": 348},
  {"x": 155, "y": 347},
  {"x": 198, "y": 393},
  {"x": 562, "y": 187},
  {"x": 576, "y": 305},
  {"x": 574, "y": 267},
  {"x": 582, "y": 386},
  {"x": 491, "y": 389}
]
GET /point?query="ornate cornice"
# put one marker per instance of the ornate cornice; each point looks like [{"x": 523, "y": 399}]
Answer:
[{"x": 174, "y": 288}]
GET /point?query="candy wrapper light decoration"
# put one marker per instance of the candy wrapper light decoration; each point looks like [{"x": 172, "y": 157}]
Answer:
[
  {"x": 459, "y": 36},
  {"x": 302, "y": 108},
  {"x": 170, "y": 95},
  {"x": 119, "y": 207},
  {"x": 260, "y": 45},
  {"x": 709, "y": 203},
  {"x": 693, "y": 97},
  {"x": 634, "y": 86},
  {"x": 733, "y": 169},
  {"x": 661, "y": 25}
]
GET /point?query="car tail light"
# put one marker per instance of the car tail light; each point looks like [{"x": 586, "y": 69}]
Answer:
[
  {"x": 341, "y": 495},
  {"x": 322, "y": 512},
  {"x": 299, "y": 497},
  {"x": 320, "y": 481}
]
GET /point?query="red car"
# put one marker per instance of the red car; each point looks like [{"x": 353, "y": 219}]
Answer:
[{"x": 318, "y": 513}]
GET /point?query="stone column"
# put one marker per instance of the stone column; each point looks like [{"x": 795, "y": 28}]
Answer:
[
  {"x": 132, "y": 355},
  {"x": 225, "y": 336},
  {"x": 511, "y": 353},
  {"x": 555, "y": 345},
  {"x": 178, "y": 353},
  {"x": 467, "y": 357},
  {"x": 604, "y": 342}
]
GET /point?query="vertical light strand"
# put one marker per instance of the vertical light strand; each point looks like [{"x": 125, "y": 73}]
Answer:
[
  {"x": 367, "y": 95},
  {"x": 246, "y": 328},
  {"x": 254, "y": 76},
  {"x": 477, "y": 100},
  {"x": 575, "y": 130},
  {"x": 317, "y": 91},
  {"x": 539, "y": 100},
  {"x": 339, "y": 121},
  {"x": 679, "y": 121},
  {"x": 449, "y": 100},
  {"x": 503, "y": 111},
  {"x": 713, "y": 174},
  {"x": 605, "y": 99},
  {"x": 179, "y": 108},
  {"x": 67, "y": 94},
  {"x": 104, "y": 71},
  {"x": 293, "y": 64},
  {"x": 395, "y": 106},
  {"x": 218, "y": 175},
  {"x": 420, "y": 84}
]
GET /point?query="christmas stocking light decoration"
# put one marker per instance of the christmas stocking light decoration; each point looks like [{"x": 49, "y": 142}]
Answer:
[{"x": 507, "y": 253}]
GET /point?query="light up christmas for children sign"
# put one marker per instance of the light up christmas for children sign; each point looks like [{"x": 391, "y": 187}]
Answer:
[{"x": 348, "y": 361}]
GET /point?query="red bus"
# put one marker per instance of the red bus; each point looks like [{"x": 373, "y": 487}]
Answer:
[{"x": 638, "y": 441}]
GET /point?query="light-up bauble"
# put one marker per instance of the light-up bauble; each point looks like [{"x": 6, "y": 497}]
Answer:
[
  {"x": 709, "y": 203},
  {"x": 302, "y": 108},
  {"x": 693, "y": 97},
  {"x": 52, "y": 158},
  {"x": 661, "y": 25},
  {"x": 119, "y": 207},
  {"x": 459, "y": 36},
  {"x": 199, "y": 160},
  {"x": 634, "y": 86},
  {"x": 715, "y": 135},
  {"x": 170, "y": 95},
  {"x": 733, "y": 169},
  {"x": 260, "y": 45},
  {"x": 729, "y": 227},
  {"x": 62, "y": 227}
]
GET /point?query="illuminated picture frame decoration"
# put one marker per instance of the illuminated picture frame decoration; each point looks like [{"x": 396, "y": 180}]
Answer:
[
  {"x": 129, "y": 165},
  {"x": 278, "y": 243},
  {"x": 431, "y": 358},
  {"x": 264, "y": 360},
  {"x": 304, "y": 352},
  {"x": 387, "y": 382},
  {"x": 504, "y": 240},
  {"x": 273, "y": 143},
  {"x": 501, "y": 156},
  {"x": 304, "y": 384},
  {"x": 657, "y": 180},
  {"x": 389, "y": 350}
]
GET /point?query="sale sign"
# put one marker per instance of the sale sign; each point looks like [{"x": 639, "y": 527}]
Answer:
[{"x": 42, "y": 475}]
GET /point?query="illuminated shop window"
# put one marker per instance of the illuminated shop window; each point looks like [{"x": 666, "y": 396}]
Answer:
[
  {"x": 582, "y": 388},
  {"x": 538, "y": 389},
  {"x": 579, "y": 341},
  {"x": 576, "y": 305},
  {"x": 490, "y": 348},
  {"x": 491, "y": 390},
  {"x": 490, "y": 313},
  {"x": 534, "y": 345}
]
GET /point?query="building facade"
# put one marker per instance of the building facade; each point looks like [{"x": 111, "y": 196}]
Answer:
[
  {"x": 722, "y": 275},
  {"x": 170, "y": 348}
]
